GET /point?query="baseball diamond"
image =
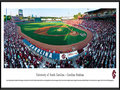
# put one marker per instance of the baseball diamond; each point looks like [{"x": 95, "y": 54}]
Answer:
[{"x": 55, "y": 36}]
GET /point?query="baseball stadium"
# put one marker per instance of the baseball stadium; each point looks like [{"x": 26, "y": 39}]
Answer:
[{"x": 84, "y": 41}]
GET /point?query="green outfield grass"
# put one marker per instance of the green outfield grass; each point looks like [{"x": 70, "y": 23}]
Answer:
[{"x": 29, "y": 29}]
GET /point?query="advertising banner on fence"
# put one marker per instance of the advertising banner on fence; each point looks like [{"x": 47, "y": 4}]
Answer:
[{"x": 72, "y": 54}]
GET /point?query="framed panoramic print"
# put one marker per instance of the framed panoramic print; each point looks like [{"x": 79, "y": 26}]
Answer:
[{"x": 60, "y": 44}]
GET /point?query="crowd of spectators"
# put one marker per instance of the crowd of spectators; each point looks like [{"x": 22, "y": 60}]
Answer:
[
  {"x": 100, "y": 53},
  {"x": 17, "y": 54}
]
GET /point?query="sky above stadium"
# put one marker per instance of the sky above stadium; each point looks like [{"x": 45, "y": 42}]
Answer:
[{"x": 52, "y": 12}]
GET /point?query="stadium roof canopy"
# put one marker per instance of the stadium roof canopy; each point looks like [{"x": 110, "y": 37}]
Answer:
[{"x": 101, "y": 9}]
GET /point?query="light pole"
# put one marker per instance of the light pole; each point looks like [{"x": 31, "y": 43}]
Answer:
[{"x": 6, "y": 14}]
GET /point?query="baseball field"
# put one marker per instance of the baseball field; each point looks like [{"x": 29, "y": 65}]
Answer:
[{"x": 53, "y": 33}]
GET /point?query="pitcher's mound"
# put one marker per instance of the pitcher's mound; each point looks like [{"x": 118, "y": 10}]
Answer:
[
  {"x": 74, "y": 33},
  {"x": 59, "y": 29}
]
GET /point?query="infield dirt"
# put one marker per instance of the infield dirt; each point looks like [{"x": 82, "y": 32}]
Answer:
[{"x": 43, "y": 31}]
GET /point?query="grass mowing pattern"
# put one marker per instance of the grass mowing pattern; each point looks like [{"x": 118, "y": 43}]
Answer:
[{"x": 29, "y": 29}]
